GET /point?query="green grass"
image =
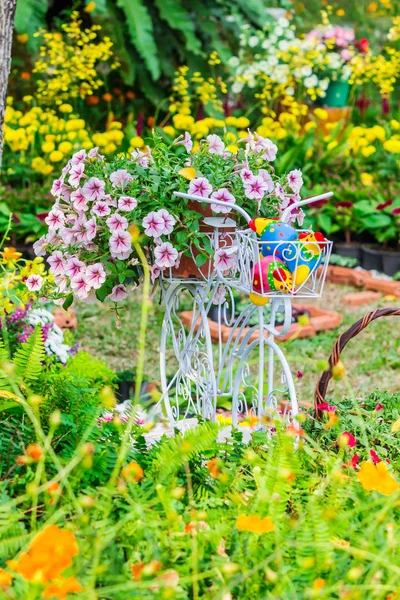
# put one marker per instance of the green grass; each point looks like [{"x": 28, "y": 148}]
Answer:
[{"x": 372, "y": 358}]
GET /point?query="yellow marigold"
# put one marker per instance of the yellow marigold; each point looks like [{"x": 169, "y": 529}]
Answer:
[
  {"x": 183, "y": 121},
  {"x": 377, "y": 478},
  {"x": 395, "y": 124},
  {"x": 242, "y": 122},
  {"x": 367, "y": 179},
  {"x": 368, "y": 150},
  {"x": 392, "y": 146},
  {"x": 22, "y": 38},
  {"x": 65, "y": 147},
  {"x": 231, "y": 121},
  {"x": 254, "y": 523},
  {"x": 61, "y": 588},
  {"x": 49, "y": 554},
  {"x": 233, "y": 148},
  {"x": 321, "y": 114},
  {"x": 66, "y": 108},
  {"x": 310, "y": 125},
  {"x": 188, "y": 173},
  {"x": 169, "y": 130},
  {"x": 56, "y": 156},
  {"x": 133, "y": 472},
  {"x": 137, "y": 141},
  {"x": 90, "y": 7},
  {"x": 48, "y": 147}
]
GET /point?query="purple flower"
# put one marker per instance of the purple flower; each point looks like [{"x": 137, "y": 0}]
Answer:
[
  {"x": 117, "y": 223},
  {"x": 222, "y": 195},
  {"x": 153, "y": 224},
  {"x": 94, "y": 189},
  {"x": 126, "y": 203},
  {"x": 187, "y": 142},
  {"x": 120, "y": 244},
  {"x": 94, "y": 153},
  {"x": 200, "y": 187},
  {"x": 165, "y": 255},
  {"x": 95, "y": 275},
  {"x": 79, "y": 230},
  {"x": 118, "y": 293},
  {"x": 120, "y": 178},
  {"x": 40, "y": 246}
]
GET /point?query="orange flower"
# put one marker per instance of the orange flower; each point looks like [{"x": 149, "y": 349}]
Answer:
[
  {"x": 54, "y": 488},
  {"x": 150, "y": 121},
  {"x": 136, "y": 571},
  {"x": 25, "y": 76},
  {"x": 319, "y": 583},
  {"x": 107, "y": 97},
  {"x": 214, "y": 466},
  {"x": 10, "y": 255},
  {"x": 49, "y": 554},
  {"x": 34, "y": 451},
  {"x": 61, "y": 588},
  {"x": 377, "y": 478},
  {"x": 133, "y": 472},
  {"x": 254, "y": 523},
  {"x": 5, "y": 578},
  {"x": 130, "y": 95},
  {"x": 92, "y": 100}
]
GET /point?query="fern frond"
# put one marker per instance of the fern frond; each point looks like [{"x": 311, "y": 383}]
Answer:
[
  {"x": 177, "y": 18},
  {"x": 29, "y": 356}
]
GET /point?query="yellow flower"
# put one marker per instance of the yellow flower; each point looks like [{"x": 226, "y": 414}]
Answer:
[
  {"x": 321, "y": 114},
  {"x": 340, "y": 12},
  {"x": 22, "y": 38},
  {"x": 392, "y": 146},
  {"x": 169, "y": 130},
  {"x": 5, "y": 578},
  {"x": 367, "y": 179},
  {"x": 183, "y": 121},
  {"x": 254, "y": 523},
  {"x": 48, "y": 147},
  {"x": 56, "y": 156},
  {"x": 395, "y": 124},
  {"x": 372, "y": 7},
  {"x": 65, "y": 147},
  {"x": 233, "y": 148},
  {"x": 66, "y": 108},
  {"x": 377, "y": 478},
  {"x": 188, "y": 173},
  {"x": 242, "y": 122},
  {"x": 137, "y": 142},
  {"x": 90, "y": 7},
  {"x": 368, "y": 150},
  {"x": 310, "y": 125}
]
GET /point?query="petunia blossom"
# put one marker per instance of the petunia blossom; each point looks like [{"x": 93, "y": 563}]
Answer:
[
  {"x": 34, "y": 283},
  {"x": 187, "y": 142},
  {"x": 127, "y": 203},
  {"x": 94, "y": 189},
  {"x": 56, "y": 262},
  {"x": 79, "y": 201},
  {"x": 117, "y": 223},
  {"x": 118, "y": 293},
  {"x": 120, "y": 244},
  {"x": 216, "y": 145},
  {"x": 55, "y": 219},
  {"x": 169, "y": 221},
  {"x": 95, "y": 275},
  {"x": 94, "y": 153},
  {"x": 255, "y": 188},
  {"x": 120, "y": 178},
  {"x": 200, "y": 186},
  {"x": 225, "y": 258},
  {"x": 78, "y": 157},
  {"x": 56, "y": 188},
  {"x": 267, "y": 178},
  {"x": 91, "y": 230},
  {"x": 295, "y": 180},
  {"x": 74, "y": 267},
  {"x": 75, "y": 174},
  {"x": 101, "y": 209},
  {"x": 80, "y": 286},
  {"x": 80, "y": 231},
  {"x": 246, "y": 175},
  {"x": 222, "y": 195},
  {"x": 153, "y": 224},
  {"x": 40, "y": 246},
  {"x": 165, "y": 255}
]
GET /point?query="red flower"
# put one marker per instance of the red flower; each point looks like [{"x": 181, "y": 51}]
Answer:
[
  {"x": 383, "y": 205},
  {"x": 320, "y": 203},
  {"x": 353, "y": 461},
  {"x": 379, "y": 406},
  {"x": 362, "y": 45},
  {"x": 325, "y": 407},
  {"x": 375, "y": 457},
  {"x": 299, "y": 374},
  {"x": 346, "y": 439},
  {"x": 344, "y": 204},
  {"x": 396, "y": 211}
]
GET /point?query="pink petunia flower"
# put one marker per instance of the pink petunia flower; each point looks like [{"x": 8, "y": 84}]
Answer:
[
  {"x": 200, "y": 186},
  {"x": 155, "y": 272},
  {"x": 295, "y": 180},
  {"x": 79, "y": 201},
  {"x": 120, "y": 244},
  {"x": 169, "y": 221},
  {"x": 225, "y": 258},
  {"x": 34, "y": 283},
  {"x": 74, "y": 267},
  {"x": 141, "y": 158},
  {"x": 255, "y": 188},
  {"x": 94, "y": 153},
  {"x": 216, "y": 145},
  {"x": 165, "y": 255},
  {"x": 78, "y": 157},
  {"x": 153, "y": 224},
  {"x": 267, "y": 178},
  {"x": 246, "y": 175},
  {"x": 75, "y": 174},
  {"x": 120, "y": 178},
  {"x": 219, "y": 296},
  {"x": 117, "y": 223},
  {"x": 187, "y": 142},
  {"x": 91, "y": 230},
  {"x": 118, "y": 293},
  {"x": 56, "y": 188},
  {"x": 127, "y": 203},
  {"x": 55, "y": 219},
  {"x": 95, "y": 275},
  {"x": 222, "y": 195},
  {"x": 56, "y": 262},
  {"x": 40, "y": 246},
  {"x": 267, "y": 146},
  {"x": 67, "y": 235},
  {"x": 94, "y": 189},
  {"x": 62, "y": 283},
  {"x": 80, "y": 231},
  {"x": 280, "y": 193},
  {"x": 101, "y": 209},
  {"x": 80, "y": 286}
]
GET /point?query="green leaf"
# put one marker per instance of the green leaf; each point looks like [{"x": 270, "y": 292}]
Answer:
[
  {"x": 30, "y": 15},
  {"x": 68, "y": 301},
  {"x": 200, "y": 260},
  {"x": 140, "y": 28},
  {"x": 177, "y": 18}
]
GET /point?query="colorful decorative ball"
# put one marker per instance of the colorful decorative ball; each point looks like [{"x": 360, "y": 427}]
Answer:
[
  {"x": 270, "y": 275},
  {"x": 305, "y": 257},
  {"x": 273, "y": 237}
]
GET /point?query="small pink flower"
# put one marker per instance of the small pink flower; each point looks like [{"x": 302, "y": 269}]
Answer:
[
  {"x": 120, "y": 244},
  {"x": 94, "y": 189},
  {"x": 299, "y": 374},
  {"x": 79, "y": 202},
  {"x": 141, "y": 158},
  {"x": 222, "y": 195},
  {"x": 347, "y": 439},
  {"x": 255, "y": 188},
  {"x": 153, "y": 224},
  {"x": 200, "y": 187},
  {"x": 34, "y": 283},
  {"x": 101, "y": 209},
  {"x": 118, "y": 293},
  {"x": 80, "y": 286},
  {"x": 326, "y": 407},
  {"x": 379, "y": 406},
  {"x": 95, "y": 275},
  {"x": 225, "y": 259},
  {"x": 94, "y": 153},
  {"x": 91, "y": 229},
  {"x": 267, "y": 178},
  {"x": 280, "y": 193},
  {"x": 375, "y": 457},
  {"x": 169, "y": 221},
  {"x": 56, "y": 188},
  {"x": 345, "y": 54},
  {"x": 295, "y": 180},
  {"x": 78, "y": 157},
  {"x": 216, "y": 145},
  {"x": 80, "y": 231},
  {"x": 165, "y": 255},
  {"x": 40, "y": 246},
  {"x": 56, "y": 262},
  {"x": 75, "y": 174},
  {"x": 155, "y": 272},
  {"x": 74, "y": 267},
  {"x": 120, "y": 178},
  {"x": 220, "y": 295},
  {"x": 66, "y": 192},
  {"x": 117, "y": 223},
  {"x": 246, "y": 175},
  {"x": 67, "y": 235},
  {"x": 270, "y": 149},
  {"x": 126, "y": 203},
  {"x": 62, "y": 283},
  {"x": 187, "y": 142},
  {"x": 55, "y": 219}
]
